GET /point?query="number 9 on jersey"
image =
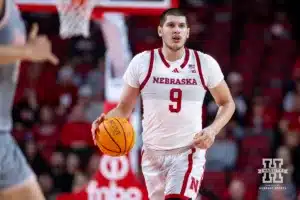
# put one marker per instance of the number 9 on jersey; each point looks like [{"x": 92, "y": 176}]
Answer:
[{"x": 176, "y": 99}]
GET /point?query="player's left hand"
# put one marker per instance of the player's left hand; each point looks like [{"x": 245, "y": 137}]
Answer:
[
  {"x": 205, "y": 138},
  {"x": 95, "y": 125}
]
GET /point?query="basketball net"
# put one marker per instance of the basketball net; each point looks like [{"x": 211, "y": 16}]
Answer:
[{"x": 74, "y": 16}]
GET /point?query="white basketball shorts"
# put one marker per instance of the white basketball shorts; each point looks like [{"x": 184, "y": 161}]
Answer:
[{"x": 171, "y": 174}]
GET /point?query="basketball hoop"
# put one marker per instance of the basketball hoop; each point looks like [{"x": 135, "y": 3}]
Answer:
[{"x": 74, "y": 16}]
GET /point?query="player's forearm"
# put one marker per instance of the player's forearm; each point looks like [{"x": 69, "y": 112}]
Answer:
[
  {"x": 223, "y": 116},
  {"x": 119, "y": 111},
  {"x": 11, "y": 54}
]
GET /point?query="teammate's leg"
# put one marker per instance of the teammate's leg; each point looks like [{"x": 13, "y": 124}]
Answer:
[
  {"x": 17, "y": 180},
  {"x": 185, "y": 175},
  {"x": 154, "y": 175}
]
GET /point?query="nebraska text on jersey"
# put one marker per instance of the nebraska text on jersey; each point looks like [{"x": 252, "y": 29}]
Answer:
[{"x": 175, "y": 81}]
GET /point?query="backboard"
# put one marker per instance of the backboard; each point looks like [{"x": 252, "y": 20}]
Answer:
[{"x": 139, "y": 7}]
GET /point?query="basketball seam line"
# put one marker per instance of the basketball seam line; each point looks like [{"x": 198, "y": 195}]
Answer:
[
  {"x": 108, "y": 149},
  {"x": 111, "y": 137},
  {"x": 125, "y": 149}
]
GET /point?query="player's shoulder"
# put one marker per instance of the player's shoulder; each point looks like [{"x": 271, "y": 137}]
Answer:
[
  {"x": 203, "y": 55},
  {"x": 141, "y": 60},
  {"x": 205, "y": 58},
  {"x": 142, "y": 56}
]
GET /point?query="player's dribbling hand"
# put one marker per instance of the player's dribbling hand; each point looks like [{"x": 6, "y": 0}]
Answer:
[
  {"x": 205, "y": 138},
  {"x": 95, "y": 125},
  {"x": 39, "y": 47}
]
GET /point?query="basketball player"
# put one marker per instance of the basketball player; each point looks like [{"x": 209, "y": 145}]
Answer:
[
  {"x": 173, "y": 81},
  {"x": 17, "y": 180}
]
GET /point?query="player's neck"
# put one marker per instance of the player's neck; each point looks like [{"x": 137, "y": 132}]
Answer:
[{"x": 171, "y": 55}]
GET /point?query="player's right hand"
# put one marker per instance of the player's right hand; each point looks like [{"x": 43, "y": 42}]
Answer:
[
  {"x": 95, "y": 125},
  {"x": 205, "y": 138},
  {"x": 38, "y": 48}
]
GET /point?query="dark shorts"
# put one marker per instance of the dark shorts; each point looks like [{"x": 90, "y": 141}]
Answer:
[{"x": 14, "y": 168}]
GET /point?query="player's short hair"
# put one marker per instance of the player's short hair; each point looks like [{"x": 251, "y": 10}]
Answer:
[{"x": 171, "y": 11}]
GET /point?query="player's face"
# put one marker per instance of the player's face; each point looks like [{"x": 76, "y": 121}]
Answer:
[{"x": 174, "y": 32}]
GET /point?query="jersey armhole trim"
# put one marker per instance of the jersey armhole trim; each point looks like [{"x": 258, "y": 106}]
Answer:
[
  {"x": 186, "y": 58},
  {"x": 200, "y": 69},
  {"x": 149, "y": 70},
  {"x": 5, "y": 9}
]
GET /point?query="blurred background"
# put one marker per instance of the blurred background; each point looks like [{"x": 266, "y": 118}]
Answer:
[{"x": 256, "y": 43}]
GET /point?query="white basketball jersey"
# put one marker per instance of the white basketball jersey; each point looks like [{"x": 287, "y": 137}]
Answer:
[{"x": 172, "y": 94}]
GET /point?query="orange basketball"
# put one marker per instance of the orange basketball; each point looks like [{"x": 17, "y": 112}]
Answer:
[{"x": 115, "y": 136}]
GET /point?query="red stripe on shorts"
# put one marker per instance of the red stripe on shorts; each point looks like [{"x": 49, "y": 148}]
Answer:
[
  {"x": 177, "y": 196},
  {"x": 142, "y": 153},
  {"x": 188, "y": 172}
]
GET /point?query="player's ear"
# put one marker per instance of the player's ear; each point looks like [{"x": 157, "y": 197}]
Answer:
[
  {"x": 188, "y": 33},
  {"x": 159, "y": 31}
]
